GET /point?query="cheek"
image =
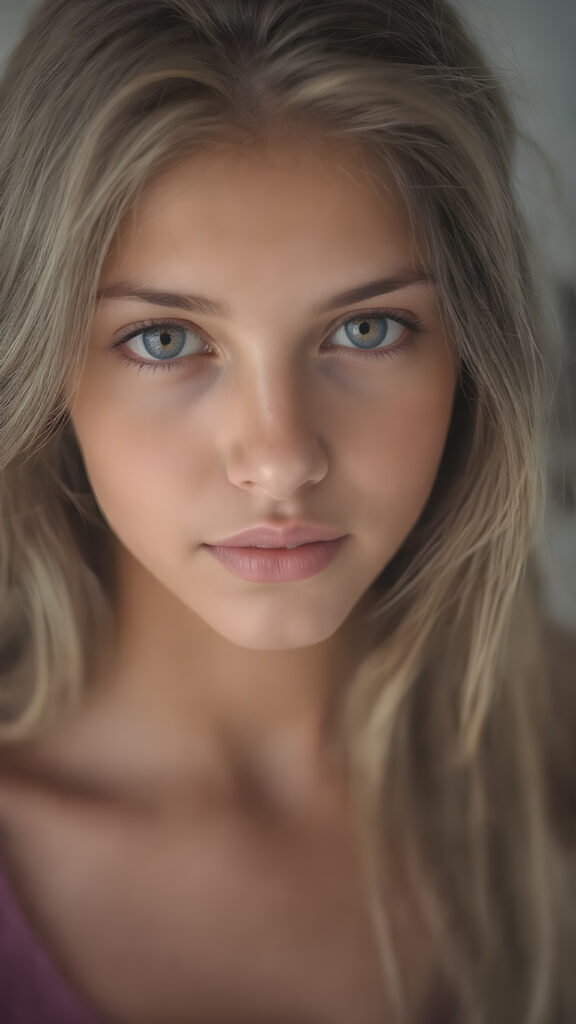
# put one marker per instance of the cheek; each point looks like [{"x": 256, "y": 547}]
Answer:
[
  {"x": 397, "y": 455},
  {"x": 139, "y": 466}
]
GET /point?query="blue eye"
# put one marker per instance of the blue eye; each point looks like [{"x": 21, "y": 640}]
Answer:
[
  {"x": 160, "y": 345},
  {"x": 164, "y": 342},
  {"x": 368, "y": 332}
]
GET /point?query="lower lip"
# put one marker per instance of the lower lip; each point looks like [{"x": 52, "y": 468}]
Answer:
[{"x": 278, "y": 565}]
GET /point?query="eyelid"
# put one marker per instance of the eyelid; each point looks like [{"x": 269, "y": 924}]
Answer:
[
  {"x": 127, "y": 333},
  {"x": 408, "y": 319}
]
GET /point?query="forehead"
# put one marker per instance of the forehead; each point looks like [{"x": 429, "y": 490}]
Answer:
[{"x": 290, "y": 194}]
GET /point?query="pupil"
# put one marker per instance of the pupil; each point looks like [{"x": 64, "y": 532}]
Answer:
[
  {"x": 364, "y": 328},
  {"x": 165, "y": 338}
]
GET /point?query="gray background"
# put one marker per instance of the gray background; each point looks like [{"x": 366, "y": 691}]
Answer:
[{"x": 532, "y": 43}]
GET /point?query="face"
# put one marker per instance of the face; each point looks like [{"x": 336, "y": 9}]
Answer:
[{"x": 271, "y": 407}]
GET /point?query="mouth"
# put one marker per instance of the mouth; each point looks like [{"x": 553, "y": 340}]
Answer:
[
  {"x": 288, "y": 536},
  {"x": 286, "y": 564}
]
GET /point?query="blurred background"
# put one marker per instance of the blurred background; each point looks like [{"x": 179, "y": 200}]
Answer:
[{"x": 532, "y": 44}]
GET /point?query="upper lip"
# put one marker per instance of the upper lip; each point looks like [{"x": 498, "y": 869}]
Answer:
[{"x": 273, "y": 536}]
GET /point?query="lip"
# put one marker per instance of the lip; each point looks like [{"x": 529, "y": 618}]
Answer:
[
  {"x": 270, "y": 535},
  {"x": 277, "y": 565}
]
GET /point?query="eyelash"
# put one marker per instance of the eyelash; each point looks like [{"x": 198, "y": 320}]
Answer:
[{"x": 409, "y": 321}]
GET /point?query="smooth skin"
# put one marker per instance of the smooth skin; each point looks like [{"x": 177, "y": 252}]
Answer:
[
  {"x": 220, "y": 812},
  {"x": 283, "y": 417}
]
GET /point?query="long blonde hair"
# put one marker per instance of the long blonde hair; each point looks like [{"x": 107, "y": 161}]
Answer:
[{"x": 448, "y": 725}]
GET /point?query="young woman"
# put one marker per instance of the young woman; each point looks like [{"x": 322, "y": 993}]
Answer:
[{"x": 285, "y": 733}]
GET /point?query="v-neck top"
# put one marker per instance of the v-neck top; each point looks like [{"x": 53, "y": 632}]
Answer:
[{"x": 32, "y": 989}]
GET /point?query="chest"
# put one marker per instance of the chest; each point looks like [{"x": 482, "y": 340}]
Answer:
[{"x": 222, "y": 925}]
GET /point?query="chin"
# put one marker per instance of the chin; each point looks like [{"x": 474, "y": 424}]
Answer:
[{"x": 281, "y": 635}]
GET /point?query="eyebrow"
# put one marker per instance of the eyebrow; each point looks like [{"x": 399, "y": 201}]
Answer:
[{"x": 403, "y": 277}]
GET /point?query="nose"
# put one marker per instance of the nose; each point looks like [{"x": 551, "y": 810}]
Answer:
[{"x": 274, "y": 444}]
